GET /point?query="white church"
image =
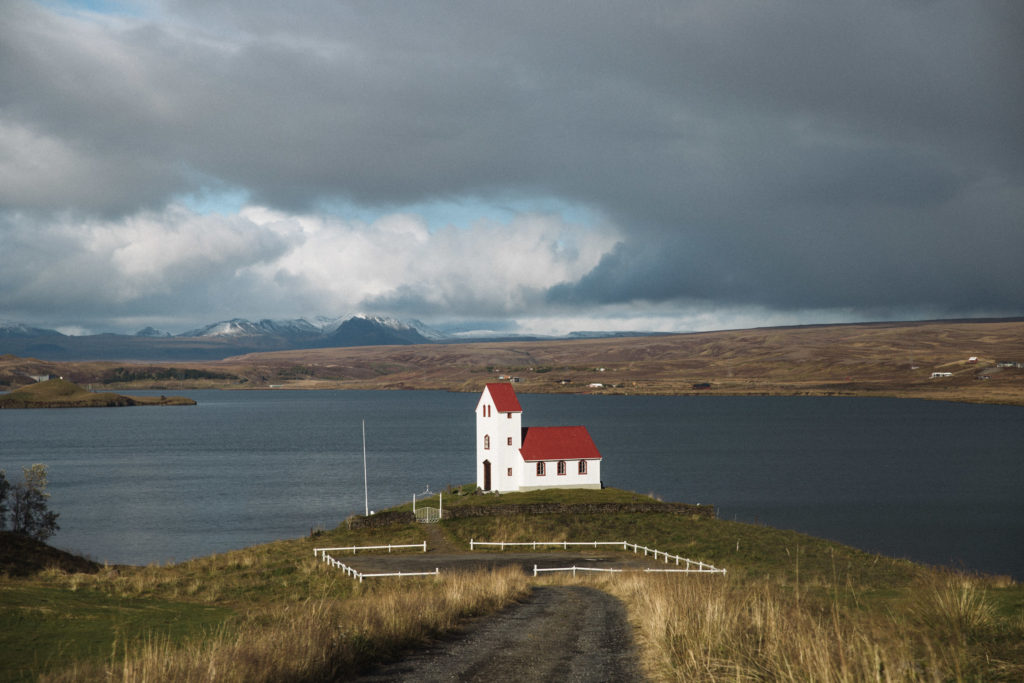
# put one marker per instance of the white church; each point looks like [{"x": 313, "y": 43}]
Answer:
[{"x": 511, "y": 458}]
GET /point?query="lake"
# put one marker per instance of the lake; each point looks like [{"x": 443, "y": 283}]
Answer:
[{"x": 935, "y": 482}]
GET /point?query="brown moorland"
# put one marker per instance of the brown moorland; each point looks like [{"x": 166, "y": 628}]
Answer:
[
  {"x": 873, "y": 359},
  {"x": 60, "y": 393}
]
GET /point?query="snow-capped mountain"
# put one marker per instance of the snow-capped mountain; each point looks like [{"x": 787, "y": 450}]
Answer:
[
  {"x": 369, "y": 330},
  {"x": 240, "y": 327},
  {"x": 219, "y": 340},
  {"x": 356, "y": 330},
  {"x": 21, "y": 330}
]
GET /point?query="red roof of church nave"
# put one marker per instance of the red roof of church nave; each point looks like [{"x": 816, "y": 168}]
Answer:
[{"x": 558, "y": 443}]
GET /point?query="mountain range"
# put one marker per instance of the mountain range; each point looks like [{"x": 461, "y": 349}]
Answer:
[
  {"x": 233, "y": 337},
  {"x": 217, "y": 340}
]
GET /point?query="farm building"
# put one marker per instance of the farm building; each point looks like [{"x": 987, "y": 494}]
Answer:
[{"x": 510, "y": 457}]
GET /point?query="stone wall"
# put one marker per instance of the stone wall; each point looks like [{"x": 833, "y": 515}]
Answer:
[
  {"x": 379, "y": 520},
  {"x": 462, "y": 511}
]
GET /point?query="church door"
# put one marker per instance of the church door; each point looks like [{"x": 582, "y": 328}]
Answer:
[{"x": 487, "y": 475}]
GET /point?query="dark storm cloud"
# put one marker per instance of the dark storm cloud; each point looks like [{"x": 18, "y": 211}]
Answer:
[{"x": 792, "y": 155}]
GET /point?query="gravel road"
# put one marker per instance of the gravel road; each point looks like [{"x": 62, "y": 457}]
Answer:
[{"x": 559, "y": 633}]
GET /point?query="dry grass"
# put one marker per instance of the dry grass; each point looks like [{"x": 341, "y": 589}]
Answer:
[
  {"x": 821, "y": 613},
  {"x": 322, "y": 638},
  {"x": 715, "y": 629}
]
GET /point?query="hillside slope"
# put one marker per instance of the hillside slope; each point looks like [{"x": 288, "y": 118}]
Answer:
[
  {"x": 60, "y": 393},
  {"x": 892, "y": 359}
]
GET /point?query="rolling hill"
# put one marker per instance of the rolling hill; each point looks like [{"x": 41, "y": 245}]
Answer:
[{"x": 893, "y": 359}]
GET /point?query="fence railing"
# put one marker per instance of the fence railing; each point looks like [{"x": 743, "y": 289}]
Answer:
[
  {"x": 537, "y": 570},
  {"x": 535, "y": 544},
  {"x": 574, "y": 569},
  {"x": 355, "y": 548},
  {"x": 689, "y": 566},
  {"x": 356, "y": 574}
]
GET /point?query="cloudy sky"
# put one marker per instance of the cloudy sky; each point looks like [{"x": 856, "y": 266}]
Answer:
[{"x": 540, "y": 166}]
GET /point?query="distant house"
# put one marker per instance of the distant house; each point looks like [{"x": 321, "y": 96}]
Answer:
[
  {"x": 937, "y": 375},
  {"x": 972, "y": 360},
  {"x": 510, "y": 457}
]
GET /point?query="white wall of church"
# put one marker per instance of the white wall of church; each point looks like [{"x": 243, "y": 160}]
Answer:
[
  {"x": 498, "y": 440},
  {"x": 572, "y": 479}
]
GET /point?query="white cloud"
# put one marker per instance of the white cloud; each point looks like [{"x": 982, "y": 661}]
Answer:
[
  {"x": 396, "y": 262},
  {"x": 673, "y": 317},
  {"x": 266, "y": 263}
]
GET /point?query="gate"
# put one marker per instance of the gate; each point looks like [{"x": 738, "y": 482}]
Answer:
[{"x": 427, "y": 515}]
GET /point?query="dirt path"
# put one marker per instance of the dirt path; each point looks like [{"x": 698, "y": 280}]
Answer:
[
  {"x": 439, "y": 542},
  {"x": 559, "y": 633}
]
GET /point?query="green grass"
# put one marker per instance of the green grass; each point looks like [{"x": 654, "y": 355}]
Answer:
[
  {"x": 465, "y": 496},
  {"x": 44, "y": 627},
  {"x": 53, "y": 617}
]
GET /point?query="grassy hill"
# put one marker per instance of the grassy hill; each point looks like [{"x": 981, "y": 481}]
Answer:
[
  {"x": 60, "y": 393},
  {"x": 891, "y": 359},
  {"x": 792, "y": 607}
]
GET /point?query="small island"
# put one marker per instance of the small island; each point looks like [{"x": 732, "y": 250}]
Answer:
[{"x": 60, "y": 393}]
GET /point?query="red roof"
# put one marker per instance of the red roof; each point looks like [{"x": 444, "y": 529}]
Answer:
[
  {"x": 504, "y": 397},
  {"x": 558, "y": 443}
]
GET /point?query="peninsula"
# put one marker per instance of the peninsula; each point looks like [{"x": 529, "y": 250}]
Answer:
[{"x": 60, "y": 393}]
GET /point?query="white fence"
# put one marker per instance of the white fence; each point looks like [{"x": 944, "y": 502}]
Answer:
[
  {"x": 537, "y": 570},
  {"x": 356, "y": 574},
  {"x": 689, "y": 566},
  {"x": 354, "y": 548}
]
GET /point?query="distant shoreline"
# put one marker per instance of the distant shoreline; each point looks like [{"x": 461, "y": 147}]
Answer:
[
  {"x": 59, "y": 393},
  {"x": 970, "y": 362}
]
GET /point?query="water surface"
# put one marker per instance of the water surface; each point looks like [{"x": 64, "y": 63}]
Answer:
[{"x": 935, "y": 482}]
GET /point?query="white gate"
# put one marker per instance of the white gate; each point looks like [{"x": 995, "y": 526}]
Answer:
[{"x": 428, "y": 515}]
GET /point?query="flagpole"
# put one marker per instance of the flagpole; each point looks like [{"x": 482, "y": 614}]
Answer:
[{"x": 366, "y": 490}]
